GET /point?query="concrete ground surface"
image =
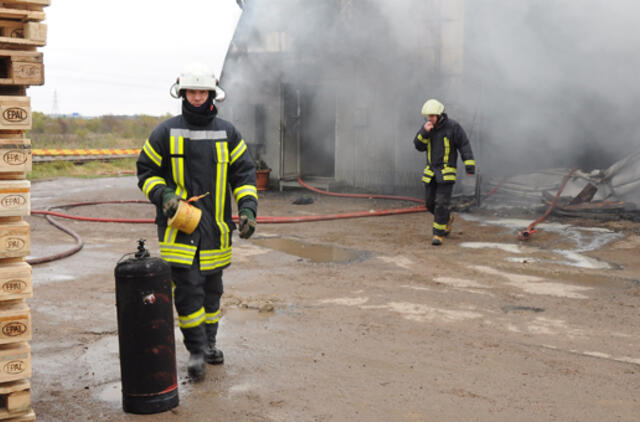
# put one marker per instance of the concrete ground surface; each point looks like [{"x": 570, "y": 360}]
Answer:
[{"x": 483, "y": 328}]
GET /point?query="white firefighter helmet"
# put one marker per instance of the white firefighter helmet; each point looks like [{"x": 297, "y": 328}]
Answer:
[
  {"x": 197, "y": 76},
  {"x": 432, "y": 107}
]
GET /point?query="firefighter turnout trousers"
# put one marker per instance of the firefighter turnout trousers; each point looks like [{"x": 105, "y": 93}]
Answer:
[
  {"x": 197, "y": 300},
  {"x": 438, "y": 198}
]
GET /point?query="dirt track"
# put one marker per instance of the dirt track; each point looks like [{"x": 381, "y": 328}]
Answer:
[{"x": 404, "y": 332}]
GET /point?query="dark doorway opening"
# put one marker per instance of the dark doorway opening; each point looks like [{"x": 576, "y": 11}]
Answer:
[
  {"x": 308, "y": 132},
  {"x": 317, "y": 131}
]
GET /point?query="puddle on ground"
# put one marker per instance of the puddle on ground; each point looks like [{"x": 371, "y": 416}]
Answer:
[
  {"x": 574, "y": 257},
  {"x": 535, "y": 285},
  {"x": 244, "y": 252},
  {"x": 312, "y": 252},
  {"x": 586, "y": 239},
  {"x": 505, "y": 247},
  {"x": 241, "y": 316}
]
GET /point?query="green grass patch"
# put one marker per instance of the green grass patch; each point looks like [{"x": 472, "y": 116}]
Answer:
[
  {"x": 91, "y": 132},
  {"x": 90, "y": 169}
]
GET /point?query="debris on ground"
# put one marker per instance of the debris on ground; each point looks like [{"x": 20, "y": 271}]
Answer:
[{"x": 303, "y": 200}]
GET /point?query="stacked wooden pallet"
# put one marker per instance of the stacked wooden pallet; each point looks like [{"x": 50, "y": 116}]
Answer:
[{"x": 21, "y": 65}]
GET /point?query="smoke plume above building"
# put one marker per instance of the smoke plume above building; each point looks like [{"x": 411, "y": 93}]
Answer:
[{"x": 334, "y": 88}]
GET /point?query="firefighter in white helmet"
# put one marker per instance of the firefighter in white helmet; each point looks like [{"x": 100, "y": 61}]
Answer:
[
  {"x": 194, "y": 154},
  {"x": 442, "y": 138}
]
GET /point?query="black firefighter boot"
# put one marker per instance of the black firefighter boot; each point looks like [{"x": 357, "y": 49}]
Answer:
[
  {"x": 195, "y": 366},
  {"x": 212, "y": 354},
  {"x": 195, "y": 341}
]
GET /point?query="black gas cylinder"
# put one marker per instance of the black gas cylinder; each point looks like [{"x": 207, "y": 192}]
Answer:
[{"x": 146, "y": 333}]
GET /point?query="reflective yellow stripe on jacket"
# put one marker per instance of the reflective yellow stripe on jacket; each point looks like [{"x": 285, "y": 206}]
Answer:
[
  {"x": 448, "y": 173},
  {"x": 176, "y": 252},
  {"x": 152, "y": 154},
  {"x": 470, "y": 163},
  {"x": 428, "y": 173},
  {"x": 177, "y": 165},
  {"x": 171, "y": 251},
  {"x": 214, "y": 259},
  {"x": 246, "y": 190},
  {"x": 222, "y": 167},
  {"x": 151, "y": 183},
  {"x": 238, "y": 151},
  {"x": 170, "y": 235}
]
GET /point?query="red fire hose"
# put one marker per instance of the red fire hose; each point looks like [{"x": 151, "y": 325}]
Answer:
[
  {"x": 359, "y": 195},
  {"x": 526, "y": 234},
  {"x": 263, "y": 220},
  {"x": 76, "y": 248}
]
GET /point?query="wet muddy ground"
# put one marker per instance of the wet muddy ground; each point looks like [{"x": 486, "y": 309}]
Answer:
[{"x": 359, "y": 320}]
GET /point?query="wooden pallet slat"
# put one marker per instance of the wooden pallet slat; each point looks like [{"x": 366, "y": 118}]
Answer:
[
  {"x": 18, "y": 401},
  {"x": 12, "y": 386},
  {"x": 15, "y": 155},
  {"x": 22, "y": 14},
  {"x": 22, "y": 55},
  {"x": 39, "y": 4},
  {"x": 15, "y": 399},
  {"x": 13, "y": 176},
  {"x": 18, "y": 30},
  {"x": 16, "y": 281},
  {"x": 26, "y": 3},
  {"x": 30, "y": 416},
  {"x": 15, "y": 362},
  {"x": 15, "y": 198},
  {"x": 35, "y": 31},
  {"x": 15, "y": 322},
  {"x": 11, "y": 28},
  {"x": 8, "y": 42},
  {"x": 15, "y": 238},
  {"x": 19, "y": 33},
  {"x": 15, "y": 113}
]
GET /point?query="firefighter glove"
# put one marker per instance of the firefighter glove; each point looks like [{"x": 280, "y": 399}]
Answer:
[
  {"x": 247, "y": 223},
  {"x": 470, "y": 169},
  {"x": 170, "y": 202}
]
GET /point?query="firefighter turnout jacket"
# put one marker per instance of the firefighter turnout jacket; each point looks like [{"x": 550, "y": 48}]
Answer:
[
  {"x": 196, "y": 160},
  {"x": 442, "y": 144}
]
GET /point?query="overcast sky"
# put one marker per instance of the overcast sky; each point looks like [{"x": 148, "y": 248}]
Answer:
[{"x": 121, "y": 57}]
